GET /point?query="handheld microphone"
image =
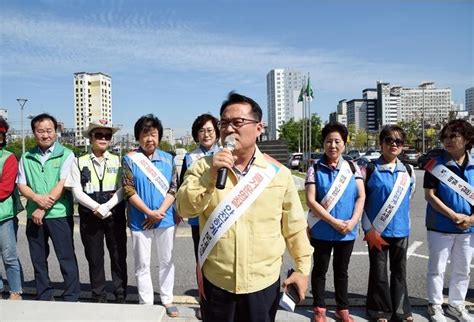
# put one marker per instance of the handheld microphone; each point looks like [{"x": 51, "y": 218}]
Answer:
[{"x": 229, "y": 144}]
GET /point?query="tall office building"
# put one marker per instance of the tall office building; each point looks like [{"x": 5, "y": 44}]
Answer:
[
  {"x": 470, "y": 100},
  {"x": 283, "y": 90},
  {"x": 93, "y": 101}
]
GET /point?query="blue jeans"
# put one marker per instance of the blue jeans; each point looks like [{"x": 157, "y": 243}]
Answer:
[{"x": 8, "y": 229}]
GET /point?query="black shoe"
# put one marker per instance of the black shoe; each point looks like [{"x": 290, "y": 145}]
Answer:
[
  {"x": 120, "y": 299},
  {"x": 99, "y": 299}
]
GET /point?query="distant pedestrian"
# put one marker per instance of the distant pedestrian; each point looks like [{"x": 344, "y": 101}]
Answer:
[
  {"x": 389, "y": 185},
  {"x": 335, "y": 195},
  {"x": 95, "y": 180},
  {"x": 10, "y": 205},
  {"x": 150, "y": 183},
  {"x": 42, "y": 173},
  {"x": 206, "y": 133},
  {"x": 449, "y": 186}
]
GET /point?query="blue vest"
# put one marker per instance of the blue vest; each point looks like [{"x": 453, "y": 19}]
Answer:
[
  {"x": 377, "y": 190},
  {"x": 324, "y": 178},
  {"x": 439, "y": 222},
  {"x": 149, "y": 193}
]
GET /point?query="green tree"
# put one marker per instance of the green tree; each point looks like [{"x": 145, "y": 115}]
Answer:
[
  {"x": 412, "y": 129},
  {"x": 292, "y": 131}
]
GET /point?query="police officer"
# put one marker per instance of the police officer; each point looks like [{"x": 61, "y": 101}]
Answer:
[{"x": 95, "y": 180}]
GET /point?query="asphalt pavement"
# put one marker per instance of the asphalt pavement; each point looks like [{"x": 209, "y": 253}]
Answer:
[{"x": 185, "y": 285}]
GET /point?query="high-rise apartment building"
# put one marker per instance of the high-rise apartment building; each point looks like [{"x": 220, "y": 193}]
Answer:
[
  {"x": 283, "y": 89},
  {"x": 470, "y": 100},
  {"x": 341, "y": 113},
  {"x": 396, "y": 103},
  {"x": 93, "y": 101}
]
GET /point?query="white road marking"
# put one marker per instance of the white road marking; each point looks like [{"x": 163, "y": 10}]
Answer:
[{"x": 413, "y": 247}]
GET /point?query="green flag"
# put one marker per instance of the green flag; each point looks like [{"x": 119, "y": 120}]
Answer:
[
  {"x": 309, "y": 90},
  {"x": 300, "y": 98}
]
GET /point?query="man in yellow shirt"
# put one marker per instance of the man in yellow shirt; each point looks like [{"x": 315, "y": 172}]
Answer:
[{"x": 241, "y": 268}]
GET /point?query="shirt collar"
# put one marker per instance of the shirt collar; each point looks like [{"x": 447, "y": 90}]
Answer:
[
  {"x": 106, "y": 156},
  {"x": 383, "y": 166},
  {"x": 323, "y": 161},
  {"x": 48, "y": 150}
]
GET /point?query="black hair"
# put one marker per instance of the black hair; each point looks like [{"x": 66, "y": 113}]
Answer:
[
  {"x": 389, "y": 129},
  {"x": 146, "y": 123},
  {"x": 4, "y": 124},
  {"x": 41, "y": 117},
  {"x": 462, "y": 127},
  {"x": 335, "y": 127},
  {"x": 235, "y": 98},
  {"x": 199, "y": 123}
]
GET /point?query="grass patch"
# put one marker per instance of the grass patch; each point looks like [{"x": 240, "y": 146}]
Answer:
[
  {"x": 298, "y": 174},
  {"x": 302, "y": 194}
]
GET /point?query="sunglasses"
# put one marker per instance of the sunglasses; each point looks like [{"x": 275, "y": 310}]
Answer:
[
  {"x": 389, "y": 141},
  {"x": 102, "y": 136}
]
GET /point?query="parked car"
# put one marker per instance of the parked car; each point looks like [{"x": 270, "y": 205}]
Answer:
[
  {"x": 370, "y": 155},
  {"x": 294, "y": 160},
  {"x": 355, "y": 154},
  {"x": 425, "y": 157},
  {"x": 304, "y": 164},
  {"x": 410, "y": 156}
]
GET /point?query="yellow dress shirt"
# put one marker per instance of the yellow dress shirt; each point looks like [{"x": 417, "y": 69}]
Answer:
[{"x": 248, "y": 257}]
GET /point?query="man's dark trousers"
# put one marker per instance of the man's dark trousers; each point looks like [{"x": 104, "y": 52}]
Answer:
[{"x": 60, "y": 230}]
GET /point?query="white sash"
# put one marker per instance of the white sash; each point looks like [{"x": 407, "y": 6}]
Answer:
[
  {"x": 229, "y": 210},
  {"x": 152, "y": 173},
  {"x": 391, "y": 205},
  {"x": 335, "y": 192},
  {"x": 452, "y": 180}
]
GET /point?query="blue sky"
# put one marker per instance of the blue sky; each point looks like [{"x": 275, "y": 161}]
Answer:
[{"x": 179, "y": 59}]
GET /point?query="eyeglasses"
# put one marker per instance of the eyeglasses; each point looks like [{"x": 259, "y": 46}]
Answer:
[
  {"x": 236, "y": 123},
  {"x": 102, "y": 136},
  {"x": 389, "y": 141},
  {"x": 451, "y": 136},
  {"x": 203, "y": 131}
]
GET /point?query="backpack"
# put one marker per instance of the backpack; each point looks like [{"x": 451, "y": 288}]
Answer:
[{"x": 371, "y": 167}]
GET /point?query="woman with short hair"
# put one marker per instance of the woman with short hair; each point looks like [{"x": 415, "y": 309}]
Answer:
[
  {"x": 448, "y": 183},
  {"x": 335, "y": 195}
]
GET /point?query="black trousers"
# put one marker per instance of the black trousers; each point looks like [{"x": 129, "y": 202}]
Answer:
[
  {"x": 340, "y": 264},
  {"x": 384, "y": 300},
  {"x": 195, "y": 235},
  {"x": 93, "y": 230},
  {"x": 223, "y": 306},
  {"x": 60, "y": 230}
]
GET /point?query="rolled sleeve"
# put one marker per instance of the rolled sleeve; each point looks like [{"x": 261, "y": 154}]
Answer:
[
  {"x": 66, "y": 167},
  {"x": 127, "y": 180}
]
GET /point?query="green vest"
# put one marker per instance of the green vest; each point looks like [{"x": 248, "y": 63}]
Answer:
[
  {"x": 43, "y": 178},
  {"x": 8, "y": 207}
]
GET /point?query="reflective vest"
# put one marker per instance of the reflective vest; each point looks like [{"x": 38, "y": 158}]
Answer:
[{"x": 99, "y": 184}]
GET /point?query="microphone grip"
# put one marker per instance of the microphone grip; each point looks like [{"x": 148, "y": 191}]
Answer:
[{"x": 221, "y": 178}]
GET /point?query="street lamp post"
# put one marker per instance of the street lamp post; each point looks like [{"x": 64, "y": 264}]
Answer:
[
  {"x": 423, "y": 122},
  {"x": 22, "y": 102}
]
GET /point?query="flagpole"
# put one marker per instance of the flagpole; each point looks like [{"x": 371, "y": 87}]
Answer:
[
  {"x": 309, "y": 116},
  {"x": 304, "y": 123}
]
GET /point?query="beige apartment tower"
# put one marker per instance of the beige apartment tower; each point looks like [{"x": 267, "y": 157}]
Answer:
[{"x": 92, "y": 101}]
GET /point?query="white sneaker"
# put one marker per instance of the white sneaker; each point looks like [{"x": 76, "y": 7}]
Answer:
[
  {"x": 460, "y": 313},
  {"x": 436, "y": 313}
]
